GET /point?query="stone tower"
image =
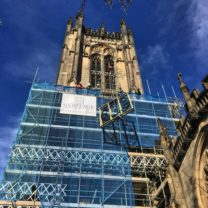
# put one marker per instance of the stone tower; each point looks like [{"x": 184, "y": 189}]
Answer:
[{"x": 97, "y": 57}]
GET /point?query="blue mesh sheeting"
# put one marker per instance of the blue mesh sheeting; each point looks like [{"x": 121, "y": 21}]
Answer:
[{"x": 65, "y": 158}]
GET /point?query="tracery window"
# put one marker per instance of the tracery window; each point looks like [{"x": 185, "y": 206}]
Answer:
[
  {"x": 95, "y": 72},
  {"x": 109, "y": 72}
]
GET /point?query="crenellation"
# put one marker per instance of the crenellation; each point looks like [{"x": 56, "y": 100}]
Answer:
[
  {"x": 190, "y": 149},
  {"x": 102, "y": 34},
  {"x": 67, "y": 152},
  {"x": 82, "y": 43}
]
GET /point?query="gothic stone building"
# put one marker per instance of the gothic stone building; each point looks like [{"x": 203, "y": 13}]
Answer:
[
  {"x": 103, "y": 59},
  {"x": 108, "y": 61},
  {"x": 57, "y": 159},
  {"x": 187, "y": 154}
]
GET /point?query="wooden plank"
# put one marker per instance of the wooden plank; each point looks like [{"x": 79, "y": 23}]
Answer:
[
  {"x": 145, "y": 154},
  {"x": 21, "y": 203}
]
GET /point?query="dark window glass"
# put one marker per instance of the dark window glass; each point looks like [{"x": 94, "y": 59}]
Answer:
[
  {"x": 95, "y": 70},
  {"x": 109, "y": 72}
]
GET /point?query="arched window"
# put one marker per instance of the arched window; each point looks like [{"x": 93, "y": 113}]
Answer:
[
  {"x": 95, "y": 72},
  {"x": 109, "y": 72}
]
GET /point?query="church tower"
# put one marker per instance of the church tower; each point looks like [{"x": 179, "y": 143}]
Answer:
[
  {"x": 78, "y": 148},
  {"x": 100, "y": 58}
]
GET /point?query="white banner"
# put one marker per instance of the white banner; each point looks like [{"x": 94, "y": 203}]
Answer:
[{"x": 78, "y": 105}]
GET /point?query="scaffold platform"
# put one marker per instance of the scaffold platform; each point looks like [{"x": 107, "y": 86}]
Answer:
[{"x": 62, "y": 160}]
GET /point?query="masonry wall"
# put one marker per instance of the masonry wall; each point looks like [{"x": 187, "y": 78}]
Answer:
[{"x": 186, "y": 175}]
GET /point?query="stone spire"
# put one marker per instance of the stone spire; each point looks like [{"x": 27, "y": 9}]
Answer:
[
  {"x": 205, "y": 82},
  {"x": 69, "y": 25},
  {"x": 123, "y": 26},
  {"x": 190, "y": 102},
  {"x": 123, "y": 22},
  {"x": 102, "y": 26},
  {"x": 79, "y": 19},
  {"x": 165, "y": 141},
  {"x": 162, "y": 128},
  {"x": 174, "y": 183},
  {"x": 131, "y": 61},
  {"x": 102, "y": 29},
  {"x": 183, "y": 87},
  {"x": 80, "y": 13}
]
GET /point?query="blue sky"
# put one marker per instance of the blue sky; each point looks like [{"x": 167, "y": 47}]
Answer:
[{"x": 170, "y": 36}]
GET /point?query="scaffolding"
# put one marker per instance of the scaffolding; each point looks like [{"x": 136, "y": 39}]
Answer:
[{"x": 60, "y": 160}]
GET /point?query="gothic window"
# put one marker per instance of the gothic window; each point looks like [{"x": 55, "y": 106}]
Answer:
[
  {"x": 109, "y": 72},
  {"x": 95, "y": 72}
]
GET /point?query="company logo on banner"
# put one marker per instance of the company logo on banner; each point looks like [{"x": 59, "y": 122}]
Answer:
[{"x": 78, "y": 105}]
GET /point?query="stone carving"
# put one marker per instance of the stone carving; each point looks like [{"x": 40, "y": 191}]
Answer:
[
  {"x": 119, "y": 48},
  {"x": 87, "y": 43},
  {"x": 119, "y": 56},
  {"x": 96, "y": 49},
  {"x": 86, "y": 48},
  {"x": 86, "y": 51},
  {"x": 108, "y": 51}
]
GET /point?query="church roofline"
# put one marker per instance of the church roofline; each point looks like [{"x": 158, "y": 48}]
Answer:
[{"x": 102, "y": 34}]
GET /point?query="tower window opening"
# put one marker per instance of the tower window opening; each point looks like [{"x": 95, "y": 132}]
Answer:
[
  {"x": 109, "y": 73},
  {"x": 95, "y": 70}
]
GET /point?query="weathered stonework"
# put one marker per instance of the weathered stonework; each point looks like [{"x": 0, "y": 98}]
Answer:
[
  {"x": 81, "y": 43},
  {"x": 188, "y": 156}
]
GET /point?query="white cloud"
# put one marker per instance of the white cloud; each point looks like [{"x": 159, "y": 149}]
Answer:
[
  {"x": 201, "y": 19},
  {"x": 7, "y": 136},
  {"x": 154, "y": 57},
  {"x": 199, "y": 16},
  {"x": 34, "y": 45},
  {"x": 26, "y": 69}
]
